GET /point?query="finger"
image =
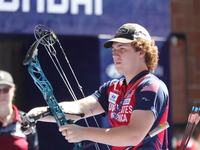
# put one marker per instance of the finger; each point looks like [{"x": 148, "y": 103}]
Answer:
[
  {"x": 62, "y": 128},
  {"x": 28, "y": 131},
  {"x": 64, "y": 133}
]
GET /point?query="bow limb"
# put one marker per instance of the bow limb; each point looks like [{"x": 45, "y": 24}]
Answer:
[
  {"x": 45, "y": 87},
  {"x": 47, "y": 38}
]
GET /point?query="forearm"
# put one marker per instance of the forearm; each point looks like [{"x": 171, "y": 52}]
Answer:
[
  {"x": 128, "y": 135},
  {"x": 45, "y": 114},
  {"x": 88, "y": 106},
  {"x": 74, "y": 110},
  {"x": 119, "y": 136},
  {"x": 40, "y": 114}
]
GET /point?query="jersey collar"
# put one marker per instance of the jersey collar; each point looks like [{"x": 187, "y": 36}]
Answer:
[{"x": 139, "y": 75}]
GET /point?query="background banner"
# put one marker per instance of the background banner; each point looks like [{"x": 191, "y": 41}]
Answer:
[{"x": 83, "y": 17}]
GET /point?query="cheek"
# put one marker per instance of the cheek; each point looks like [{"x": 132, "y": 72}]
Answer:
[
  {"x": 11, "y": 95},
  {"x": 130, "y": 59}
]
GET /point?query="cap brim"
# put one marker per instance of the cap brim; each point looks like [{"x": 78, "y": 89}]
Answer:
[
  {"x": 108, "y": 44},
  {"x": 7, "y": 83}
]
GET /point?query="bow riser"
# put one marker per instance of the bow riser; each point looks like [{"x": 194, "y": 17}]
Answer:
[{"x": 45, "y": 87}]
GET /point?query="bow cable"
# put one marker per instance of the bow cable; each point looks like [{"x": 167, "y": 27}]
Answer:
[
  {"x": 48, "y": 44},
  {"x": 66, "y": 81}
]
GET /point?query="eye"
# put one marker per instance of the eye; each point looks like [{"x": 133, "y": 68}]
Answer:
[{"x": 122, "y": 49}]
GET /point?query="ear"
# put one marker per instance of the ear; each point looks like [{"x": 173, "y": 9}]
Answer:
[{"x": 142, "y": 53}]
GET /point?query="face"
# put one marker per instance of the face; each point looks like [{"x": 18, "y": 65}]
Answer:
[
  {"x": 125, "y": 58},
  {"x": 6, "y": 94}
]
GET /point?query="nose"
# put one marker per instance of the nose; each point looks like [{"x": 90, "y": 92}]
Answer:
[
  {"x": 115, "y": 56},
  {"x": 115, "y": 53}
]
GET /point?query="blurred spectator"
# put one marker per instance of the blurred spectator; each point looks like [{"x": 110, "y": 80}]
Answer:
[{"x": 11, "y": 136}]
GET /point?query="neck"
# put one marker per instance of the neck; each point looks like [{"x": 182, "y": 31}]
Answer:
[
  {"x": 132, "y": 75},
  {"x": 6, "y": 114}
]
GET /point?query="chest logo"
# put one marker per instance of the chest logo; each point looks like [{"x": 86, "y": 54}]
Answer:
[
  {"x": 113, "y": 97},
  {"x": 127, "y": 101}
]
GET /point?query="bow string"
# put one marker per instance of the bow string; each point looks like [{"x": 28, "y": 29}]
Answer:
[{"x": 47, "y": 38}]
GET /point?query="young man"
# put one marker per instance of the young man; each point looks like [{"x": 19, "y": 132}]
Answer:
[
  {"x": 11, "y": 136},
  {"x": 135, "y": 104}
]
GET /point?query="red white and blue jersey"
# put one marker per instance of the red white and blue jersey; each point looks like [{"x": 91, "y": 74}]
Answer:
[{"x": 144, "y": 92}]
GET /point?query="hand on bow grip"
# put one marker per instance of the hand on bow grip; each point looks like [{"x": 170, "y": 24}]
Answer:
[
  {"x": 30, "y": 119},
  {"x": 29, "y": 122}
]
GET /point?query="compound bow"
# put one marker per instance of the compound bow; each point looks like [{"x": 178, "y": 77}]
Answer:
[{"x": 47, "y": 38}]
